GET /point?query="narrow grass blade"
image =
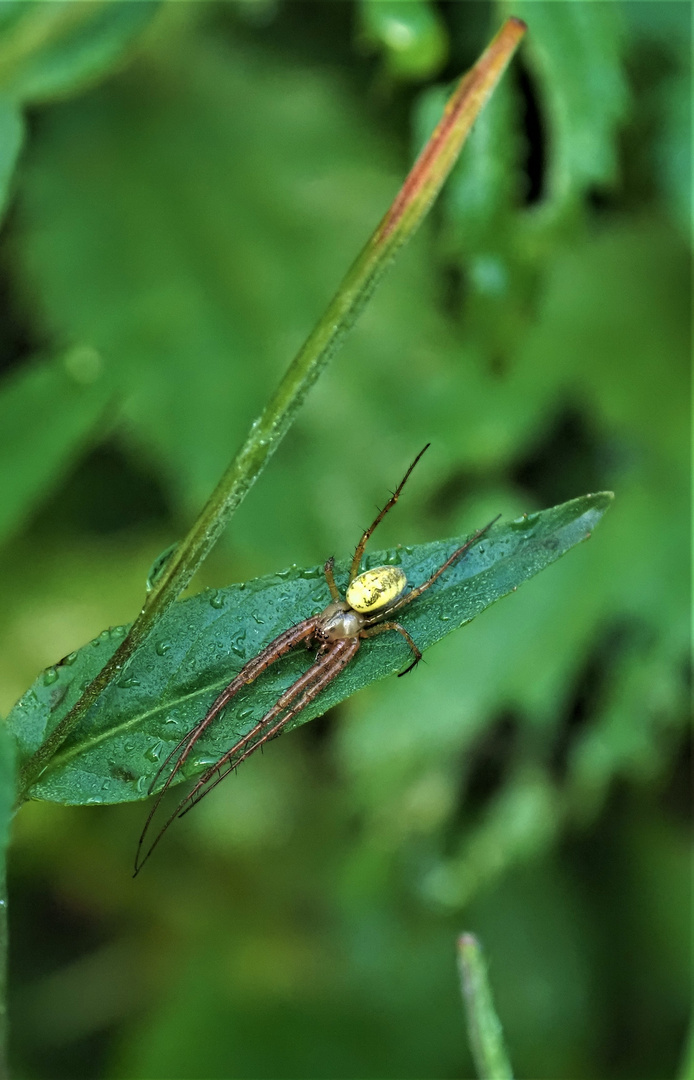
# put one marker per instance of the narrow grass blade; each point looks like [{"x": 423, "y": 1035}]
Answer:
[{"x": 484, "y": 1026}]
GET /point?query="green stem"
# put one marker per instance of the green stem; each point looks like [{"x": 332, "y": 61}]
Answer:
[
  {"x": 7, "y": 778},
  {"x": 407, "y": 211},
  {"x": 687, "y": 1068},
  {"x": 484, "y": 1027},
  {"x": 4, "y": 938}
]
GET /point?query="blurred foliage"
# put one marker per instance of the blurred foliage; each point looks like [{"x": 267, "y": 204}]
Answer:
[{"x": 194, "y": 181}]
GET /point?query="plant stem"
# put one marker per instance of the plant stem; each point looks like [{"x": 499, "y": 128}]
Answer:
[
  {"x": 4, "y": 938},
  {"x": 687, "y": 1068},
  {"x": 405, "y": 214},
  {"x": 7, "y": 778},
  {"x": 484, "y": 1026}
]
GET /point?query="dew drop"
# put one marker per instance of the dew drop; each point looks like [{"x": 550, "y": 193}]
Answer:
[
  {"x": 171, "y": 721},
  {"x": 312, "y": 572},
  {"x": 525, "y": 522},
  {"x": 217, "y": 600},
  {"x": 244, "y": 713},
  {"x": 128, "y": 682},
  {"x": 50, "y": 675},
  {"x": 70, "y": 658},
  {"x": 202, "y": 761},
  {"x": 162, "y": 647},
  {"x": 157, "y": 567},
  {"x": 154, "y": 752}
]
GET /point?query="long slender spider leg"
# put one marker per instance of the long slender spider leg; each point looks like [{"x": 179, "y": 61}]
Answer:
[
  {"x": 338, "y": 657},
  {"x": 317, "y": 671},
  {"x": 437, "y": 573},
  {"x": 382, "y": 627},
  {"x": 278, "y": 648},
  {"x": 389, "y": 506},
  {"x": 250, "y": 671},
  {"x": 330, "y": 578}
]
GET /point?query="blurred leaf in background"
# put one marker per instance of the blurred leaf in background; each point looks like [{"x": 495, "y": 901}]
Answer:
[{"x": 176, "y": 223}]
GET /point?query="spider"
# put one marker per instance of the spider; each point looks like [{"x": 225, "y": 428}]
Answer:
[{"x": 371, "y": 599}]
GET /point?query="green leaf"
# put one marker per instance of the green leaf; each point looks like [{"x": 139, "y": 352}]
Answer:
[
  {"x": 47, "y": 412},
  {"x": 575, "y": 49},
  {"x": 202, "y": 642},
  {"x": 50, "y": 50},
  {"x": 11, "y": 138}
]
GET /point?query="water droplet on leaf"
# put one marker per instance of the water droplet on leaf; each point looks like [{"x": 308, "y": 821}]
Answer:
[
  {"x": 128, "y": 682},
  {"x": 155, "y": 752},
  {"x": 157, "y": 567}
]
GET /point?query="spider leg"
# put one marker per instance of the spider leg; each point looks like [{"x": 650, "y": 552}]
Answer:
[
  {"x": 330, "y": 578},
  {"x": 437, "y": 573},
  {"x": 381, "y": 627},
  {"x": 330, "y": 667},
  {"x": 389, "y": 506},
  {"x": 278, "y": 648},
  {"x": 317, "y": 672}
]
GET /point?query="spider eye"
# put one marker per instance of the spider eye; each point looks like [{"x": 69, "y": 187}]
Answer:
[{"x": 376, "y": 588}]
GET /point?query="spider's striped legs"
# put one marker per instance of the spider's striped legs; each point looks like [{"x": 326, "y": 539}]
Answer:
[
  {"x": 248, "y": 673},
  {"x": 379, "y": 629},
  {"x": 389, "y": 506},
  {"x": 326, "y": 667},
  {"x": 437, "y": 573},
  {"x": 313, "y": 682},
  {"x": 330, "y": 578}
]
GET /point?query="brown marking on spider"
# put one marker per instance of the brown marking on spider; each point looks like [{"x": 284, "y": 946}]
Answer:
[{"x": 337, "y": 632}]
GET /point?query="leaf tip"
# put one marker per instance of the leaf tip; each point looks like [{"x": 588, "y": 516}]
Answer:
[{"x": 519, "y": 24}]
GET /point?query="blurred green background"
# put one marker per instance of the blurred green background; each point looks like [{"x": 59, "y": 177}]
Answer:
[{"x": 185, "y": 184}]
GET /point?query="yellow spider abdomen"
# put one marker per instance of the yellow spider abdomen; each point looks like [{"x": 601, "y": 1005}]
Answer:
[{"x": 376, "y": 588}]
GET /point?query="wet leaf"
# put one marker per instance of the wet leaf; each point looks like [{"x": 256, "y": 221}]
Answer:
[{"x": 202, "y": 642}]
